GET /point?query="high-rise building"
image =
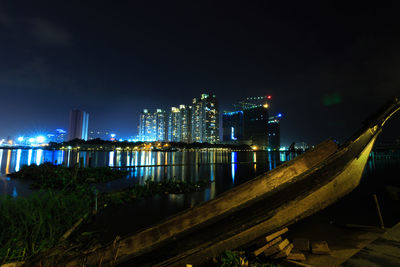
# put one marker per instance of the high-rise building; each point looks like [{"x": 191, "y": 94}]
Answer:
[
  {"x": 161, "y": 125},
  {"x": 250, "y": 124},
  {"x": 153, "y": 125},
  {"x": 205, "y": 119},
  {"x": 197, "y": 123},
  {"x": 186, "y": 123},
  {"x": 60, "y": 135},
  {"x": 147, "y": 127},
  {"x": 174, "y": 125},
  {"x": 274, "y": 138},
  {"x": 255, "y": 122},
  {"x": 78, "y": 125},
  {"x": 232, "y": 126}
]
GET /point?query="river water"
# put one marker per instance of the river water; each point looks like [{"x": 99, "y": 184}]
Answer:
[{"x": 225, "y": 168}]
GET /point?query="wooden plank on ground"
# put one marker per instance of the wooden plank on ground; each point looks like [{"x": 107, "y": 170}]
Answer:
[
  {"x": 260, "y": 250},
  {"x": 320, "y": 248},
  {"x": 276, "y": 248},
  {"x": 272, "y": 236},
  {"x": 296, "y": 255},
  {"x": 284, "y": 253},
  {"x": 384, "y": 251},
  {"x": 301, "y": 244}
]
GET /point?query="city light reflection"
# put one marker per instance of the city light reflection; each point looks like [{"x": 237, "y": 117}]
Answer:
[
  {"x": 282, "y": 156},
  {"x": 111, "y": 159},
  {"x": 255, "y": 161},
  {"x": 14, "y": 193},
  {"x": 1, "y": 158},
  {"x": 8, "y": 161},
  {"x": 234, "y": 165},
  {"x": 30, "y": 156},
  {"x": 17, "y": 164},
  {"x": 39, "y": 154}
]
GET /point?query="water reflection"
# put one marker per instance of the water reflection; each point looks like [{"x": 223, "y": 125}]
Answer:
[
  {"x": 39, "y": 154},
  {"x": 225, "y": 168},
  {"x": 17, "y": 165},
  {"x": 233, "y": 165}
]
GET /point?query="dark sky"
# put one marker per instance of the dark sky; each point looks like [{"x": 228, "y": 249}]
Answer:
[{"x": 327, "y": 66}]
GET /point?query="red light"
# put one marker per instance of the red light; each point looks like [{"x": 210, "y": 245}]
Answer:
[{"x": 269, "y": 97}]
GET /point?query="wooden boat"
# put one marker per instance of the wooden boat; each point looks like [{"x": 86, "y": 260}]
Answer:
[{"x": 278, "y": 198}]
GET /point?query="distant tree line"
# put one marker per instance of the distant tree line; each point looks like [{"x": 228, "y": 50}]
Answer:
[{"x": 107, "y": 144}]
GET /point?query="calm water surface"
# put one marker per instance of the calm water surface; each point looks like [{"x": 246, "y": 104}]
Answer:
[{"x": 225, "y": 168}]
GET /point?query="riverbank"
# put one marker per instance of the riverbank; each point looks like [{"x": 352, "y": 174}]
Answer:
[{"x": 31, "y": 225}]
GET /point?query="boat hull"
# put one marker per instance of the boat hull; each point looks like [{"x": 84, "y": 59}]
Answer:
[
  {"x": 271, "y": 201},
  {"x": 297, "y": 209}
]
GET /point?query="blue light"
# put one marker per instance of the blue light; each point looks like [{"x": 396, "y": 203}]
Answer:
[
  {"x": 233, "y": 134},
  {"x": 279, "y": 115},
  {"x": 40, "y": 139},
  {"x": 233, "y": 113}
]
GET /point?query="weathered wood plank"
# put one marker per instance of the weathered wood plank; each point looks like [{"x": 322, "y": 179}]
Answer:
[
  {"x": 320, "y": 248},
  {"x": 276, "y": 248},
  {"x": 260, "y": 250},
  {"x": 272, "y": 236},
  {"x": 296, "y": 255},
  {"x": 284, "y": 253}
]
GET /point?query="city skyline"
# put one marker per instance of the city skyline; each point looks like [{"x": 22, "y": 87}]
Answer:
[
  {"x": 326, "y": 65},
  {"x": 198, "y": 122}
]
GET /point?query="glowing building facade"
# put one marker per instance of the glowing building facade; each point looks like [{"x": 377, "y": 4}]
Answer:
[
  {"x": 174, "y": 125},
  {"x": 205, "y": 119},
  {"x": 232, "y": 126},
  {"x": 274, "y": 137},
  {"x": 152, "y": 125},
  {"x": 197, "y": 123},
  {"x": 250, "y": 124},
  {"x": 78, "y": 125},
  {"x": 161, "y": 125},
  {"x": 185, "y": 123}
]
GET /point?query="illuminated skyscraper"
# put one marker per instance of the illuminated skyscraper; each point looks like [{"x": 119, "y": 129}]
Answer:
[
  {"x": 147, "y": 126},
  {"x": 161, "y": 125},
  {"x": 274, "y": 138},
  {"x": 186, "y": 123},
  {"x": 205, "y": 119},
  {"x": 152, "y": 125},
  {"x": 255, "y": 122},
  {"x": 232, "y": 126},
  {"x": 250, "y": 124},
  {"x": 174, "y": 125},
  {"x": 197, "y": 123},
  {"x": 78, "y": 125}
]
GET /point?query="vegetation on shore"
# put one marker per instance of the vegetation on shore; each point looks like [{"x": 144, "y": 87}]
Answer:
[
  {"x": 47, "y": 175},
  {"x": 30, "y": 225},
  {"x": 99, "y": 144},
  {"x": 231, "y": 258},
  {"x": 151, "y": 188}
]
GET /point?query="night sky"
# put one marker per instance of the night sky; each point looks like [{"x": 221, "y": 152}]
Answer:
[{"x": 327, "y": 66}]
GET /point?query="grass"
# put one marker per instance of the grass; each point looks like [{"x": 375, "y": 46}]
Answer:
[
  {"x": 52, "y": 176},
  {"x": 30, "y": 225},
  {"x": 151, "y": 188},
  {"x": 230, "y": 258}
]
